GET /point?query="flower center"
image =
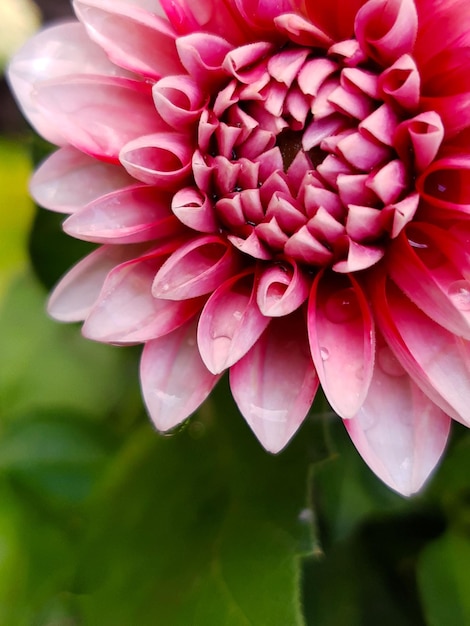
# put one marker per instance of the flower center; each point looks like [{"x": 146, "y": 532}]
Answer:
[{"x": 313, "y": 155}]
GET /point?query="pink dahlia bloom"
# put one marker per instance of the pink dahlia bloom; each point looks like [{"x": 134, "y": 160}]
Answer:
[{"x": 279, "y": 188}]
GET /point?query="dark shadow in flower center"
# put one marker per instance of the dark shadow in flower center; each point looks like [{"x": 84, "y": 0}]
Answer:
[{"x": 289, "y": 143}]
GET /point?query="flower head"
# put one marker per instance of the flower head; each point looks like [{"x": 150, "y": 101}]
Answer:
[{"x": 280, "y": 189}]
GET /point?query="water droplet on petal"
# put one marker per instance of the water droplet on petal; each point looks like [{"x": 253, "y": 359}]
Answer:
[
  {"x": 427, "y": 251},
  {"x": 325, "y": 354},
  {"x": 342, "y": 306},
  {"x": 459, "y": 293},
  {"x": 388, "y": 363}
]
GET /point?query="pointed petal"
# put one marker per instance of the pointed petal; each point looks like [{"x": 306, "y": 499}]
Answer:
[
  {"x": 131, "y": 215},
  {"x": 230, "y": 323},
  {"x": 175, "y": 381},
  {"x": 433, "y": 269},
  {"x": 162, "y": 159},
  {"x": 435, "y": 359},
  {"x": 68, "y": 180},
  {"x": 54, "y": 52},
  {"x": 196, "y": 268},
  {"x": 78, "y": 290},
  {"x": 282, "y": 288},
  {"x": 342, "y": 340},
  {"x": 133, "y": 38},
  {"x": 126, "y": 311},
  {"x": 91, "y": 112},
  {"x": 398, "y": 431},
  {"x": 275, "y": 383}
]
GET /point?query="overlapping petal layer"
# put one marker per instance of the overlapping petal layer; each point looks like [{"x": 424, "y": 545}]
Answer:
[{"x": 281, "y": 189}]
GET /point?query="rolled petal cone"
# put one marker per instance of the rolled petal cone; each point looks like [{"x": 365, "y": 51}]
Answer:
[{"x": 278, "y": 189}]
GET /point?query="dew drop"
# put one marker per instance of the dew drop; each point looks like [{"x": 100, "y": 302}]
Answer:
[
  {"x": 427, "y": 251},
  {"x": 459, "y": 293},
  {"x": 342, "y": 306},
  {"x": 325, "y": 354}
]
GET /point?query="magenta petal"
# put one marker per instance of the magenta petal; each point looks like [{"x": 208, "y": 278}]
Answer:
[
  {"x": 342, "y": 340},
  {"x": 282, "y": 288},
  {"x": 386, "y": 29},
  {"x": 132, "y": 37},
  {"x": 194, "y": 209},
  {"x": 174, "y": 379},
  {"x": 202, "y": 55},
  {"x": 196, "y": 268},
  {"x": 446, "y": 183},
  {"x": 78, "y": 290},
  {"x": 162, "y": 159},
  {"x": 398, "y": 431},
  {"x": 92, "y": 112},
  {"x": 435, "y": 359},
  {"x": 230, "y": 323},
  {"x": 68, "y": 180},
  {"x": 126, "y": 311},
  {"x": 130, "y": 215},
  {"x": 432, "y": 268},
  {"x": 179, "y": 100},
  {"x": 275, "y": 383}
]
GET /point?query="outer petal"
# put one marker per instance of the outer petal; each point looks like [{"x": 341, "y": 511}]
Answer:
[
  {"x": 53, "y": 53},
  {"x": 131, "y": 215},
  {"x": 398, "y": 431},
  {"x": 446, "y": 183},
  {"x": 335, "y": 17},
  {"x": 432, "y": 268},
  {"x": 174, "y": 379},
  {"x": 230, "y": 323},
  {"x": 92, "y": 112},
  {"x": 68, "y": 180},
  {"x": 435, "y": 359},
  {"x": 77, "y": 291},
  {"x": 196, "y": 268},
  {"x": 342, "y": 340},
  {"x": 275, "y": 383},
  {"x": 133, "y": 38},
  {"x": 126, "y": 311}
]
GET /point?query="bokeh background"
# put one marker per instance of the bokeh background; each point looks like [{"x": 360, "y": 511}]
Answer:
[{"x": 103, "y": 522}]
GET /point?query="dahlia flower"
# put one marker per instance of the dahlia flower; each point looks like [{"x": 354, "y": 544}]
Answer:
[{"x": 280, "y": 189}]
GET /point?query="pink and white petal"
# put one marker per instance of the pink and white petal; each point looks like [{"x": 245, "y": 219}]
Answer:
[
  {"x": 342, "y": 340},
  {"x": 174, "y": 380},
  {"x": 194, "y": 209},
  {"x": 133, "y": 38},
  {"x": 259, "y": 14},
  {"x": 68, "y": 180},
  {"x": 76, "y": 293},
  {"x": 433, "y": 270},
  {"x": 435, "y": 359},
  {"x": 126, "y": 312},
  {"x": 162, "y": 159},
  {"x": 275, "y": 383},
  {"x": 398, "y": 431},
  {"x": 179, "y": 100},
  {"x": 282, "y": 288},
  {"x": 131, "y": 215},
  {"x": 53, "y": 53},
  {"x": 91, "y": 112},
  {"x": 230, "y": 323},
  {"x": 387, "y": 29},
  {"x": 202, "y": 55},
  {"x": 198, "y": 267}
]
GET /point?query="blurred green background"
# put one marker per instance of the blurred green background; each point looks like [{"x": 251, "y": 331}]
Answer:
[{"x": 103, "y": 522}]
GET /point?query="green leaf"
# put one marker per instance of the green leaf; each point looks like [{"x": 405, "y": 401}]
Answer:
[
  {"x": 46, "y": 364},
  {"x": 203, "y": 527},
  {"x": 443, "y": 580}
]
